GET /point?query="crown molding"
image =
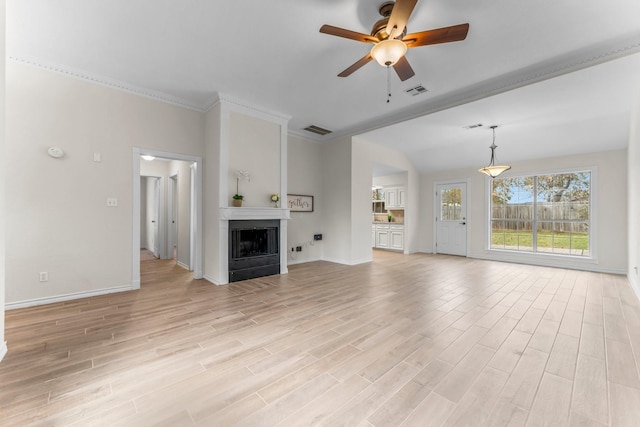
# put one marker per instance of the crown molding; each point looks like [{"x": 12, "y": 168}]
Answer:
[
  {"x": 110, "y": 83},
  {"x": 247, "y": 108}
]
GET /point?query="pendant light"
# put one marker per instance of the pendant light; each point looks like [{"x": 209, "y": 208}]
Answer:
[{"x": 492, "y": 170}]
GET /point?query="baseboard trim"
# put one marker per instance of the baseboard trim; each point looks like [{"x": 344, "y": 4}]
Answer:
[
  {"x": 212, "y": 280},
  {"x": 634, "y": 285},
  {"x": 577, "y": 265},
  {"x": 67, "y": 297},
  {"x": 301, "y": 261},
  {"x": 343, "y": 262},
  {"x": 183, "y": 265},
  {"x": 3, "y": 350}
]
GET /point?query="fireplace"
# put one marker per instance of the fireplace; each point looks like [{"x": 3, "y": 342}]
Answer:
[{"x": 254, "y": 249}]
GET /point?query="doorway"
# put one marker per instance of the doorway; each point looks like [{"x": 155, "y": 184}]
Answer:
[
  {"x": 451, "y": 220},
  {"x": 150, "y": 215},
  {"x": 188, "y": 183}
]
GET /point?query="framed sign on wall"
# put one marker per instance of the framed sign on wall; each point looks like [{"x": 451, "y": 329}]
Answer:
[{"x": 299, "y": 203}]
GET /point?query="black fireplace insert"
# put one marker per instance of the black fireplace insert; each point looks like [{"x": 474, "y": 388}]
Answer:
[{"x": 254, "y": 249}]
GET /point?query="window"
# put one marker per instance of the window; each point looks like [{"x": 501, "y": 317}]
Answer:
[
  {"x": 544, "y": 214},
  {"x": 451, "y": 209}
]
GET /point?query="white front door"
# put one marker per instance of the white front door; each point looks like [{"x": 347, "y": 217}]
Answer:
[{"x": 451, "y": 219}]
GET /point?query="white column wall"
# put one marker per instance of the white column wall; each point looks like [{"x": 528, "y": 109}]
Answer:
[{"x": 634, "y": 197}]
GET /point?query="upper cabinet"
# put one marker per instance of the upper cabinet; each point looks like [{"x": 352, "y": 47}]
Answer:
[{"x": 395, "y": 197}]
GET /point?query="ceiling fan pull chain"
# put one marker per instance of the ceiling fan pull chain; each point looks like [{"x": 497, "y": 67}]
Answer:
[{"x": 388, "y": 84}]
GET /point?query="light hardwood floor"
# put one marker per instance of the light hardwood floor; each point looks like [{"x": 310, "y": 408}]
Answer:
[{"x": 408, "y": 340}]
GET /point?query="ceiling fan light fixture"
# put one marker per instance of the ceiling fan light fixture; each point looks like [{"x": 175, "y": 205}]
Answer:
[
  {"x": 388, "y": 51},
  {"x": 494, "y": 170}
]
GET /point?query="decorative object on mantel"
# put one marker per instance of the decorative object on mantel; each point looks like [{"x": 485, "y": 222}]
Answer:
[
  {"x": 240, "y": 175},
  {"x": 390, "y": 217},
  {"x": 492, "y": 170},
  {"x": 299, "y": 203},
  {"x": 275, "y": 198}
]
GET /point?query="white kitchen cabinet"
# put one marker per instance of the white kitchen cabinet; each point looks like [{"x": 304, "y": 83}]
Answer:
[
  {"x": 396, "y": 237},
  {"x": 402, "y": 197},
  {"x": 388, "y": 236},
  {"x": 395, "y": 197},
  {"x": 391, "y": 198},
  {"x": 373, "y": 236},
  {"x": 382, "y": 236}
]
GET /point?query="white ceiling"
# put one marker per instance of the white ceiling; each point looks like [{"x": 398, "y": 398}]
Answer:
[{"x": 271, "y": 55}]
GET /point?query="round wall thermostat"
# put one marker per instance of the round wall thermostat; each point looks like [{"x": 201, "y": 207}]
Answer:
[{"x": 55, "y": 152}]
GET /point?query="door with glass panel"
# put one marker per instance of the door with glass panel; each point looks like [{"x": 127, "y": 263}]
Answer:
[{"x": 451, "y": 219}]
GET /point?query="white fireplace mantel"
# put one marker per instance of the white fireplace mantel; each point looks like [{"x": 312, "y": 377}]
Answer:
[{"x": 232, "y": 213}]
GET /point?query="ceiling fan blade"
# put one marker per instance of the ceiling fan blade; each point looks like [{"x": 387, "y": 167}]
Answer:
[
  {"x": 403, "y": 69},
  {"x": 348, "y": 34},
  {"x": 440, "y": 35},
  {"x": 357, "y": 65},
  {"x": 399, "y": 17}
]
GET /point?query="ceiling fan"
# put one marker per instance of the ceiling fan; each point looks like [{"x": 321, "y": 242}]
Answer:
[{"x": 391, "y": 41}]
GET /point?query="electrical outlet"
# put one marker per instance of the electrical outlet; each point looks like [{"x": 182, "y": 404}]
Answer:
[
  {"x": 298, "y": 248},
  {"x": 317, "y": 237},
  {"x": 44, "y": 276},
  {"x": 112, "y": 202},
  {"x": 293, "y": 249}
]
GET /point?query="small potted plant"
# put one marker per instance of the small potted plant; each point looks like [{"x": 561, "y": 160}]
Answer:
[
  {"x": 389, "y": 217},
  {"x": 237, "y": 198},
  {"x": 275, "y": 198}
]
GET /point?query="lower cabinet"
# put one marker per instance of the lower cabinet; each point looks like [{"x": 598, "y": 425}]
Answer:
[
  {"x": 387, "y": 236},
  {"x": 396, "y": 237}
]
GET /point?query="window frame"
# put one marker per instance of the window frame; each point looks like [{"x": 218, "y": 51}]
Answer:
[{"x": 537, "y": 255}]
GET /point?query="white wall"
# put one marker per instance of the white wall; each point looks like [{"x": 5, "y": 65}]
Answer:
[
  {"x": 212, "y": 188},
  {"x": 305, "y": 174},
  {"x": 611, "y": 209},
  {"x": 336, "y": 208},
  {"x": 634, "y": 197},
  {"x": 59, "y": 221},
  {"x": 254, "y": 147},
  {"x": 395, "y": 180},
  {"x": 3, "y": 346}
]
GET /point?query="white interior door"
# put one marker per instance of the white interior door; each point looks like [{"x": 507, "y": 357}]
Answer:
[
  {"x": 451, "y": 219},
  {"x": 173, "y": 220},
  {"x": 156, "y": 218}
]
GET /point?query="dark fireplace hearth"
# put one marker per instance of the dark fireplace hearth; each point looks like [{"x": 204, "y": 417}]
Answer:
[{"x": 254, "y": 249}]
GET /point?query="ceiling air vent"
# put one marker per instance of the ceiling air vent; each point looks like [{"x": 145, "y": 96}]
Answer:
[
  {"x": 317, "y": 130},
  {"x": 416, "y": 90},
  {"x": 479, "y": 125}
]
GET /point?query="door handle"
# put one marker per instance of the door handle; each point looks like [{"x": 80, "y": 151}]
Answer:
[{"x": 463, "y": 223}]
